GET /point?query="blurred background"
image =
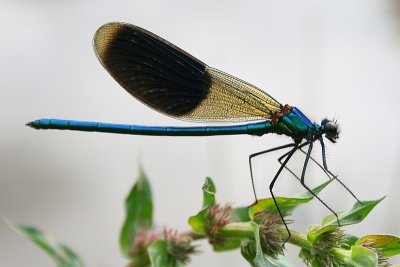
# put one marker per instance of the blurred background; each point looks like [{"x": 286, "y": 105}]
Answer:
[{"x": 331, "y": 59}]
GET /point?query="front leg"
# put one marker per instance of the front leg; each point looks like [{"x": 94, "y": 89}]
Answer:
[
  {"x": 333, "y": 176},
  {"x": 308, "y": 189}
]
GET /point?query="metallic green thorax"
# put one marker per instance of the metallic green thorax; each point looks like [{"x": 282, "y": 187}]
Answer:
[{"x": 295, "y": 124}]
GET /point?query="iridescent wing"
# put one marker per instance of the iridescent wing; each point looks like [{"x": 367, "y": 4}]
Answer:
[{"x": 171, "y": 81}]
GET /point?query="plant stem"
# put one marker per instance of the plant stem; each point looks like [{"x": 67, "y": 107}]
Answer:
[
  {"x": 298, "y": 239},
  {"x": 238, "y": 230},
  {"x": 245, "y": 230},
  {"x": 242, "y": 230},
  {"x": 192, "y": 235}
]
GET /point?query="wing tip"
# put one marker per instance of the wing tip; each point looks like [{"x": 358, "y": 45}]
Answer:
[{"x": 104, "y": 36}]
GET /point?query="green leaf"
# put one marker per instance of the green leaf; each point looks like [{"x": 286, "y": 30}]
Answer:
[
  {"x": 138, "y": 212},
  {"x": 348, "y": 241},
  {"x": 61, "y": 254},
  {"x": 241, "y": 214},
  {"x": 316, "y": 190},
  {"x": 251, "y": 250},
  {"x": 305, "y": 254},
  {"x": 197, "y": 222},
  {"x": 315, "y": 231},
  {"x": 388, "y": 244},
  {"x": 286, "y": 205},
  {"x": 209, "y": 191},
  {"x": 363, "y": 257},
  {"x": 159, "y": 256},
  {"x": 353, "y": 216}
]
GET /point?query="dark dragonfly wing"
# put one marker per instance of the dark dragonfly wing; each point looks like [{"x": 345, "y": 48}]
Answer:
[{"x": 173, "y": 82}]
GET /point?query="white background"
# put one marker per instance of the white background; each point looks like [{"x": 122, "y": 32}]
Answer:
[{"x": 336, "y": 58}]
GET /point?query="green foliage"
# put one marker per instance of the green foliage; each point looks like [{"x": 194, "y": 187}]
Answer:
[
  {"x": 258, "y": 231},
  {"x": 61, "y": 254},
  {"x": 286, "y": 205},
  {"x": 353, "y": 216},
  {"x": 362, "y": 256},
  {"x": 356, "y": 253},
  {"x": 198, "y": 221},
  {"x": 241, "y": 214},
  {"x": 252, "y": 251},
  {"x": 138, "y": 212},
  {"x": 389, "y": 245},
  {"x": 211, "y": 218},
  {"x": 160, "y": 256}
]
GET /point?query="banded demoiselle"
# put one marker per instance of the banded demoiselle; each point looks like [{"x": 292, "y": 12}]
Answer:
[{"x": 173, "y": 82}]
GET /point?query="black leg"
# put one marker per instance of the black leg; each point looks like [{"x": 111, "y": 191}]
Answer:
[
  {"x": 333, "y": 176},
  {"x": 258, "y": 154},
  {"x": 319, "y": 165},
  {"x": 271, "y": 186},
  {"x": 287, "y": 153},
  {"x": 308, "y": 189},
  {"x": 302, "y": 180}
]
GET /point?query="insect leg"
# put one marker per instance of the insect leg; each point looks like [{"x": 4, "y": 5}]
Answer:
[
  {"x": 285, "y": 155},
  {"x": 328, "y": 171},
  {"x": 329, "y": 175},
  {"x": 258, "y": 154},
  {"x": 308, "y": 189},
  {"x": 271, "y": 186}
]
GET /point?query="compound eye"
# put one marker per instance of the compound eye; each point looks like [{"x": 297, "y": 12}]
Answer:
[
  {"x": 331, "y": 130},
  {"x": 324, "y": 122}
]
